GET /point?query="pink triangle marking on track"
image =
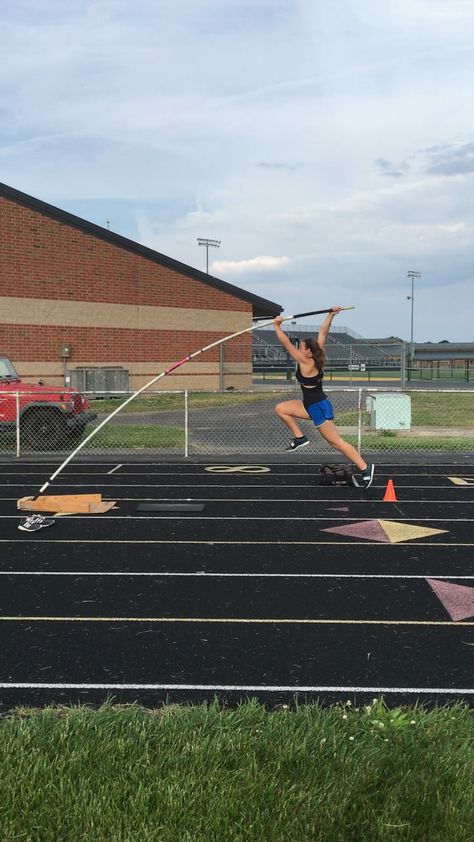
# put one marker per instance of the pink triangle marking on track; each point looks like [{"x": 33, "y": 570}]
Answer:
[
  {"x": 369, "y": 529},
  {"x": 458, "y": 600}
]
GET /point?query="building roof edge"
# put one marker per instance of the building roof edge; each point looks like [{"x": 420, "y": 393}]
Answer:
[{"x": 261, "y": 306}]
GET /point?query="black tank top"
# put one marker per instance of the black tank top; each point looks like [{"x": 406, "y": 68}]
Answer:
[{"x": 312, "y": 387}]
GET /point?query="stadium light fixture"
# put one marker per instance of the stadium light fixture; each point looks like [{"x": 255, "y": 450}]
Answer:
[{"x": 205, "y": 241}]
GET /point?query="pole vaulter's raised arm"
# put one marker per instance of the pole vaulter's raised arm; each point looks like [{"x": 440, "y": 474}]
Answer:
[{"x": 163, "y": 374}]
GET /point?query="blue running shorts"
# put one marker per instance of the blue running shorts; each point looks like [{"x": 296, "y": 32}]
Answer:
[{"x": 320, "y": 412}]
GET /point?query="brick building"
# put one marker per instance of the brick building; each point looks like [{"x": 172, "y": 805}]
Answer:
[{"x": 78, "y": 300}]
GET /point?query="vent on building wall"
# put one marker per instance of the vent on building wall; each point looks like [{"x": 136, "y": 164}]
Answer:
[{"x": 100, "y": 382}]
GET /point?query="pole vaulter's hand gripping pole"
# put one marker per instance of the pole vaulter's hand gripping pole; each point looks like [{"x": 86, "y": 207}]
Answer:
[{"x": 163, "y": 374}]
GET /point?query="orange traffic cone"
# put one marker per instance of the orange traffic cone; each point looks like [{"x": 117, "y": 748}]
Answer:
[{"x": 390, "y": 496}]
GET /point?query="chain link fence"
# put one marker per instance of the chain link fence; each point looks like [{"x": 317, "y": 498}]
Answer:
[{"x": 237, "y": 422}]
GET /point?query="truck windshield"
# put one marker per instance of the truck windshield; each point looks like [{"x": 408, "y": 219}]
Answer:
[{"x": 6, "y": 369}]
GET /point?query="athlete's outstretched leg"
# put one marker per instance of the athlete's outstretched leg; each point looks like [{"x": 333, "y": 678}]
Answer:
[{"x": 330, "y": 432}]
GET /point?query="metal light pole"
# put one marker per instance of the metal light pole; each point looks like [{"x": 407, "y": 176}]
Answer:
[
  {"x": 412, "y": 274},
  {"x": 204, "y": 241}
]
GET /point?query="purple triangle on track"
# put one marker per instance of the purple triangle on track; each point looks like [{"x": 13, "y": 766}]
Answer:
[
  {"x": 458, "y": 600},
  {"x": 368, "y": 529}
]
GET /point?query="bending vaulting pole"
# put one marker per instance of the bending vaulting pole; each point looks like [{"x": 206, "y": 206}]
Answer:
[{"x": 163, "y": 374}]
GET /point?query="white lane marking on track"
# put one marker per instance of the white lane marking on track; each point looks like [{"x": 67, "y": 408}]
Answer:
[
  {"x": 235, "y": 518},
  {"x": 378, "y": 546},
  {"x": 115, "y": 469},
  {"x": 382, "y": 470},
  {"x": 19, "y": 618},
  {"x": 188, "y": 463},
  {"x": 202, "y": 574},
  {"x": 296, "y": 500},
  {"x": 268, "y": 688},
  {"x": 461, "y": 488},
  {"x": 314, "y": 500}
]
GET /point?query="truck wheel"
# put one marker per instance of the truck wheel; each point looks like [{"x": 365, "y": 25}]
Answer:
[{"x": 43, "y": 430}]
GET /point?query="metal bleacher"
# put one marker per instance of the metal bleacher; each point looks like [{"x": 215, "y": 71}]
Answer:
[
  {"x": 343, "y": 348},
  {"x": 266, "y": 350}
]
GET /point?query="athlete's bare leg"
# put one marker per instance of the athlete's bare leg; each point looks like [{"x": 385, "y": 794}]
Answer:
[
  {"x": 288, "y": 412},
  {"x": 330, "y": 433}
]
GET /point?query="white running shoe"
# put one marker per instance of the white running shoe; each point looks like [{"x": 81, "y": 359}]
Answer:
[{"x": 35, "y": 522}]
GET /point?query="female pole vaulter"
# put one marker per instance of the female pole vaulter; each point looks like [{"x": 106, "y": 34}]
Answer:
[{"x": 315, "y": 405}]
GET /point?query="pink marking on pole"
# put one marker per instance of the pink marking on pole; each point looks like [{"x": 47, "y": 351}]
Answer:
[
  {"x": 458, "y": 600},
  {"x": 176, "y": 365}
]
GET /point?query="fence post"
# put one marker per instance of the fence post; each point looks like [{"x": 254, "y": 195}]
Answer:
[
  {"x": 186, "y": 423},
  {"x": 17, "y": 402},
  {"x": 359, "y": 423},
  {"x": 403, "y": 364},
  {"x": 221, "y": 368}
]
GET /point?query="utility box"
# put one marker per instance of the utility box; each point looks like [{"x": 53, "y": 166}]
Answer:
[
  {"x": 389, "y": 411},
  {"x": 100, "y": 382}
]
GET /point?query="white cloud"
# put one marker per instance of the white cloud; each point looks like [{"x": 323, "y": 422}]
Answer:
[
  {"x": 337, "y": 134},
  {"x": 253, "y": 264}
]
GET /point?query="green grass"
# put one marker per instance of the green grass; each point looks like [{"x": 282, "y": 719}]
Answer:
[
  {"x": 143, "y": 437},
  {"x": 196, "y": 400},
  {"x": 123, "y": 437},
  {"x": 137, "y": 437},
  {"x": 362, "y": 376},
  {"x": 442, "y": 410},
  {"x": 454, "y": 374},
  {"x": 450, "y": 410},
  {"x": 428, "y": 410},
  {"x": 337, "y": 374},
  {"x": 203, "y": 774},
  {"x": 388, "y": 440}
]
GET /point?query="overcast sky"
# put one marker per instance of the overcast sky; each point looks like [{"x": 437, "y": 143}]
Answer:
[{"x": 329, "y": 144}]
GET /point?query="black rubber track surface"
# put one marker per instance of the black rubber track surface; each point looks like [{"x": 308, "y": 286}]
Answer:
[{"x": 251, "y": 597}]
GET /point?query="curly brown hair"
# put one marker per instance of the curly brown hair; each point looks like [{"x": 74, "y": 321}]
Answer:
[{"x": 317, "y": 353}]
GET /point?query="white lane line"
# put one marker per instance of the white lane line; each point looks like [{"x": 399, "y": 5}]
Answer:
[
  {"x": 366, "y": 544},
  {"x": 203, "y": 574},
  {"x": 254, "y": 500},
  {"x": 115, "y": 469},
  {"x": 68, "y": 487},
  {"x": 199, "y": 460},
  {"x": 276, "y": 621},
  {"x": 381, "y": 471},
  {"x": 234, "y": 479},
  {"x": 260, "y": 688},
  {"x": 178, "y": 516}
]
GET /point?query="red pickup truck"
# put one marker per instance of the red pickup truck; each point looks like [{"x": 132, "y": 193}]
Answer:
[{"x": 50, "y": 417}]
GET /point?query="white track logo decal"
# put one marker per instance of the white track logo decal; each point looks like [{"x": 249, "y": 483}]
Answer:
[{"x": 237, "y": 469}]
